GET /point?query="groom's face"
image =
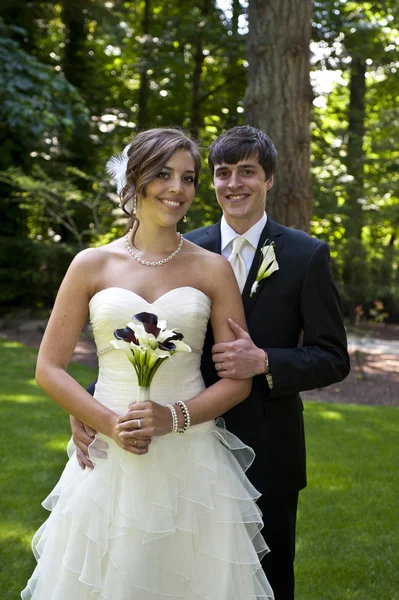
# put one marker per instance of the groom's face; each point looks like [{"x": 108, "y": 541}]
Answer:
[{"x": 241, "y": 190}]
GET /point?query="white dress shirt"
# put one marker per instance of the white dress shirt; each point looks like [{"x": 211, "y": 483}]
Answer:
[
  {"x": 248, "y": 253},
  {"x": 252, "y": 236}
]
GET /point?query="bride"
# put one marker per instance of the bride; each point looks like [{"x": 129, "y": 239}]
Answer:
[{"x": 162, "y": 515}]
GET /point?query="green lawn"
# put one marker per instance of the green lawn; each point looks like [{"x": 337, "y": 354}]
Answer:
[
  {"x": 348, "y": 515},
  {"x": 347, "y": 522}
]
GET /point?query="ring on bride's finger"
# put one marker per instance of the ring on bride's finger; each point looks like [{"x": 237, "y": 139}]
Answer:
[
  {"x": 219, "y": 366},
  {"x": 139, "y": 424},
  {"x": 135, "y": 443}
]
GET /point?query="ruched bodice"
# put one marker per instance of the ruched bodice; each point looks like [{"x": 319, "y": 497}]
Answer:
[{"x": 179, "y": 378}]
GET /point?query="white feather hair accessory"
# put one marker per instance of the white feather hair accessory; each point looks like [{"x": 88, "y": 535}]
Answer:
[{"x": 117, "y": 167}]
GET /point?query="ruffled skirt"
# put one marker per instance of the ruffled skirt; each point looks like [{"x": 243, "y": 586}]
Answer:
[{"x": 178, "y": 522}]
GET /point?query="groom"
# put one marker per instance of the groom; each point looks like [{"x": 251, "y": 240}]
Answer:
[{"x": 298, "y": 299}]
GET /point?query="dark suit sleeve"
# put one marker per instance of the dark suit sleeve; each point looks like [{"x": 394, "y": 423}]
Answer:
[
  {"x": 91, "y": 388},
  {"x": 323, "y": 358}
]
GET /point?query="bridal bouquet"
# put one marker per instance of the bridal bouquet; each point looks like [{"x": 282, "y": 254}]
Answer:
[{"x": 148, "y": 343}]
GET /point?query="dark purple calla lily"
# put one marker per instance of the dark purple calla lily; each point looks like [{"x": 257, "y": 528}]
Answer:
[
  {"x": 126, "y": 334},
  {"x": 149, "y": 321},
  {"x": 168, "y": 345}
]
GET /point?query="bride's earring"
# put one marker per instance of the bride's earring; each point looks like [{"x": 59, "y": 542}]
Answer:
[
  {"x": 185, "y": 219},
  {"x": 131, "y": 206}
]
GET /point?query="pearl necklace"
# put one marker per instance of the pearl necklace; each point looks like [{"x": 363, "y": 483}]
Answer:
[{"x": 152, "y": 263}]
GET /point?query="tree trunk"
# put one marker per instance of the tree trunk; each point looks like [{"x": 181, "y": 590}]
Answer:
[
  {"x": 76, "y": 67},
  {"x": 199, "y": 57},
  {"x": 233, "y": 71},
  {"x": 23, "y": 14},
  {"x": 354, "y": 274},
  {"x": 355, "y": 151},
  {"x": 74, "y": 63},
  {"x": 142, "y": 117},
  {"x": 279, "y": 100}
]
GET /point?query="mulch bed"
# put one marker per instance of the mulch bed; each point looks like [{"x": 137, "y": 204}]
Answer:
[{"x": 374, "y": 379}]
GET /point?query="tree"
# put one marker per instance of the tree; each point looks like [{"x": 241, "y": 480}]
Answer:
[
  {"x": 356, "y": 144},
  {"x": 279, "y": 98}
]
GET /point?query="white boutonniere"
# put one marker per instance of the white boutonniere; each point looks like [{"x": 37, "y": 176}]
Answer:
[{"x": 268, "y": 264}]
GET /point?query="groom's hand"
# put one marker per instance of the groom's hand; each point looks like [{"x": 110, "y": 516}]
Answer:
[
  {"x": 239, "y": 359},
  {"x": 83, "y": 436}
]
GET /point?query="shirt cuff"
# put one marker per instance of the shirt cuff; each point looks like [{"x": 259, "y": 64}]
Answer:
[{"x": 267, "y": 373}]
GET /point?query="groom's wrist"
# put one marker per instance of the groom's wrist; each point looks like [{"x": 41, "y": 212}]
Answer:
[
  {"x": 262, "y": 358},
  {"x": 266, "y": 370}
]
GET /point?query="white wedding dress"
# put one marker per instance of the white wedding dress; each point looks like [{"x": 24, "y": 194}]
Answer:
[{"x": 178, "y": 522}]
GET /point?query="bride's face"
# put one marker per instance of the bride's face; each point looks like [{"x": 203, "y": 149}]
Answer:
[{"x": 170, "y": 194}]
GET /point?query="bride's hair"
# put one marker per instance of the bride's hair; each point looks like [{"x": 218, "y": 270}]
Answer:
[{"x": 147, "y": 154}]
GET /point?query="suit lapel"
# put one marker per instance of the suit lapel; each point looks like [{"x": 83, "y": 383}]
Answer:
[
  {"x": 272, "y": 232},
  {"x": 213, "y": 239}
]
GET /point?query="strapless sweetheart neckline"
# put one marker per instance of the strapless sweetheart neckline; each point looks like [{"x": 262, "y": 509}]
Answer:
[{"x": 183, "y": 287}]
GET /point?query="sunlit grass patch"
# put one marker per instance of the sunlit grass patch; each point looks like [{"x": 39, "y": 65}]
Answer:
[
  {"x": 34, "y": 432},
  {"x": 348, "y": 513}
]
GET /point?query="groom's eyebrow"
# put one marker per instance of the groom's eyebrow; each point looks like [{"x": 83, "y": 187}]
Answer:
[{"x": 240, "y": 165}]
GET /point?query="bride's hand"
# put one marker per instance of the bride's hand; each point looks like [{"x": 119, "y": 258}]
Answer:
[
  {"x": 144, "y": 420},
  {"x": 131, "y": 442}
]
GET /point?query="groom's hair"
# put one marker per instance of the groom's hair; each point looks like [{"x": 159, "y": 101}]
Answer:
[{"x": 240, "y": 143}]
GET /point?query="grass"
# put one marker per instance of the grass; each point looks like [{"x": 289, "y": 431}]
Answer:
[
  {"x": 33, "y": 436},
  {"x": 347, "y": 520},
  {"x": 347, "y": 523}
]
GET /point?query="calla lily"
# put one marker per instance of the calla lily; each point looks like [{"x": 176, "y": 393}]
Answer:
[
  {"x": 169, "y": 339},
  {"x": 140, "y": 333},
  {"x": 126, "y": 334},
  {"x": 268, "y": 265},
  {"x": 179, "y": 346},
  {"x": 148, "y": 343},
  {"x": 150, "y": 323}
]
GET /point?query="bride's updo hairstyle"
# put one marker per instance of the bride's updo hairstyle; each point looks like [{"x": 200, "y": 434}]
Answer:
[{"x": 147, "y": 154}]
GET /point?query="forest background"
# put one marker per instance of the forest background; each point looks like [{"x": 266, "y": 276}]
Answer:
[{"x": 79, "y": 77}]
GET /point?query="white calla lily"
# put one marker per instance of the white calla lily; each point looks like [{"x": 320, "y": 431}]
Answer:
[
  {"x": 181, "y": 346},
  {"x": 141, "y": 334},
  {"x": 268, "y": 265},
  {"x": 164, "y": 334}
]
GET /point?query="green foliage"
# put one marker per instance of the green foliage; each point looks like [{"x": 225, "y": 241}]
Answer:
[
  {"x": 366, "y": 198},
  {"x": 34, "y": 100},
  {"x": 84, "y": 76},
  {"x": 31, "y": 271},
  {"x": 61, "y": 209}
]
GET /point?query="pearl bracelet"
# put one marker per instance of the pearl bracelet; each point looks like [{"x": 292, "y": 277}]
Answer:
[
  {"x": 186, "y": 416},
  {"x": 175, "y": 421}
]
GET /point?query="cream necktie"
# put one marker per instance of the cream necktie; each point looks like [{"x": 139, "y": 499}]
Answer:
[{"x": 237, "y": 261}]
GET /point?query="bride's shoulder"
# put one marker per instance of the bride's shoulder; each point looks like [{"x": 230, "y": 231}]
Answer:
[
  {"x": 214, "y": 263},
  {"x": 96, "y": 256},
  {"x": 203, "y": 254}
]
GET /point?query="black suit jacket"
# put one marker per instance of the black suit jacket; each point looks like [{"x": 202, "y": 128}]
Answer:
[{"x": 300, "y": 299}]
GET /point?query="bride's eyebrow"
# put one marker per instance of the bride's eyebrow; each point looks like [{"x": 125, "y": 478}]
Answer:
[{"x": 171, "y": 169}]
